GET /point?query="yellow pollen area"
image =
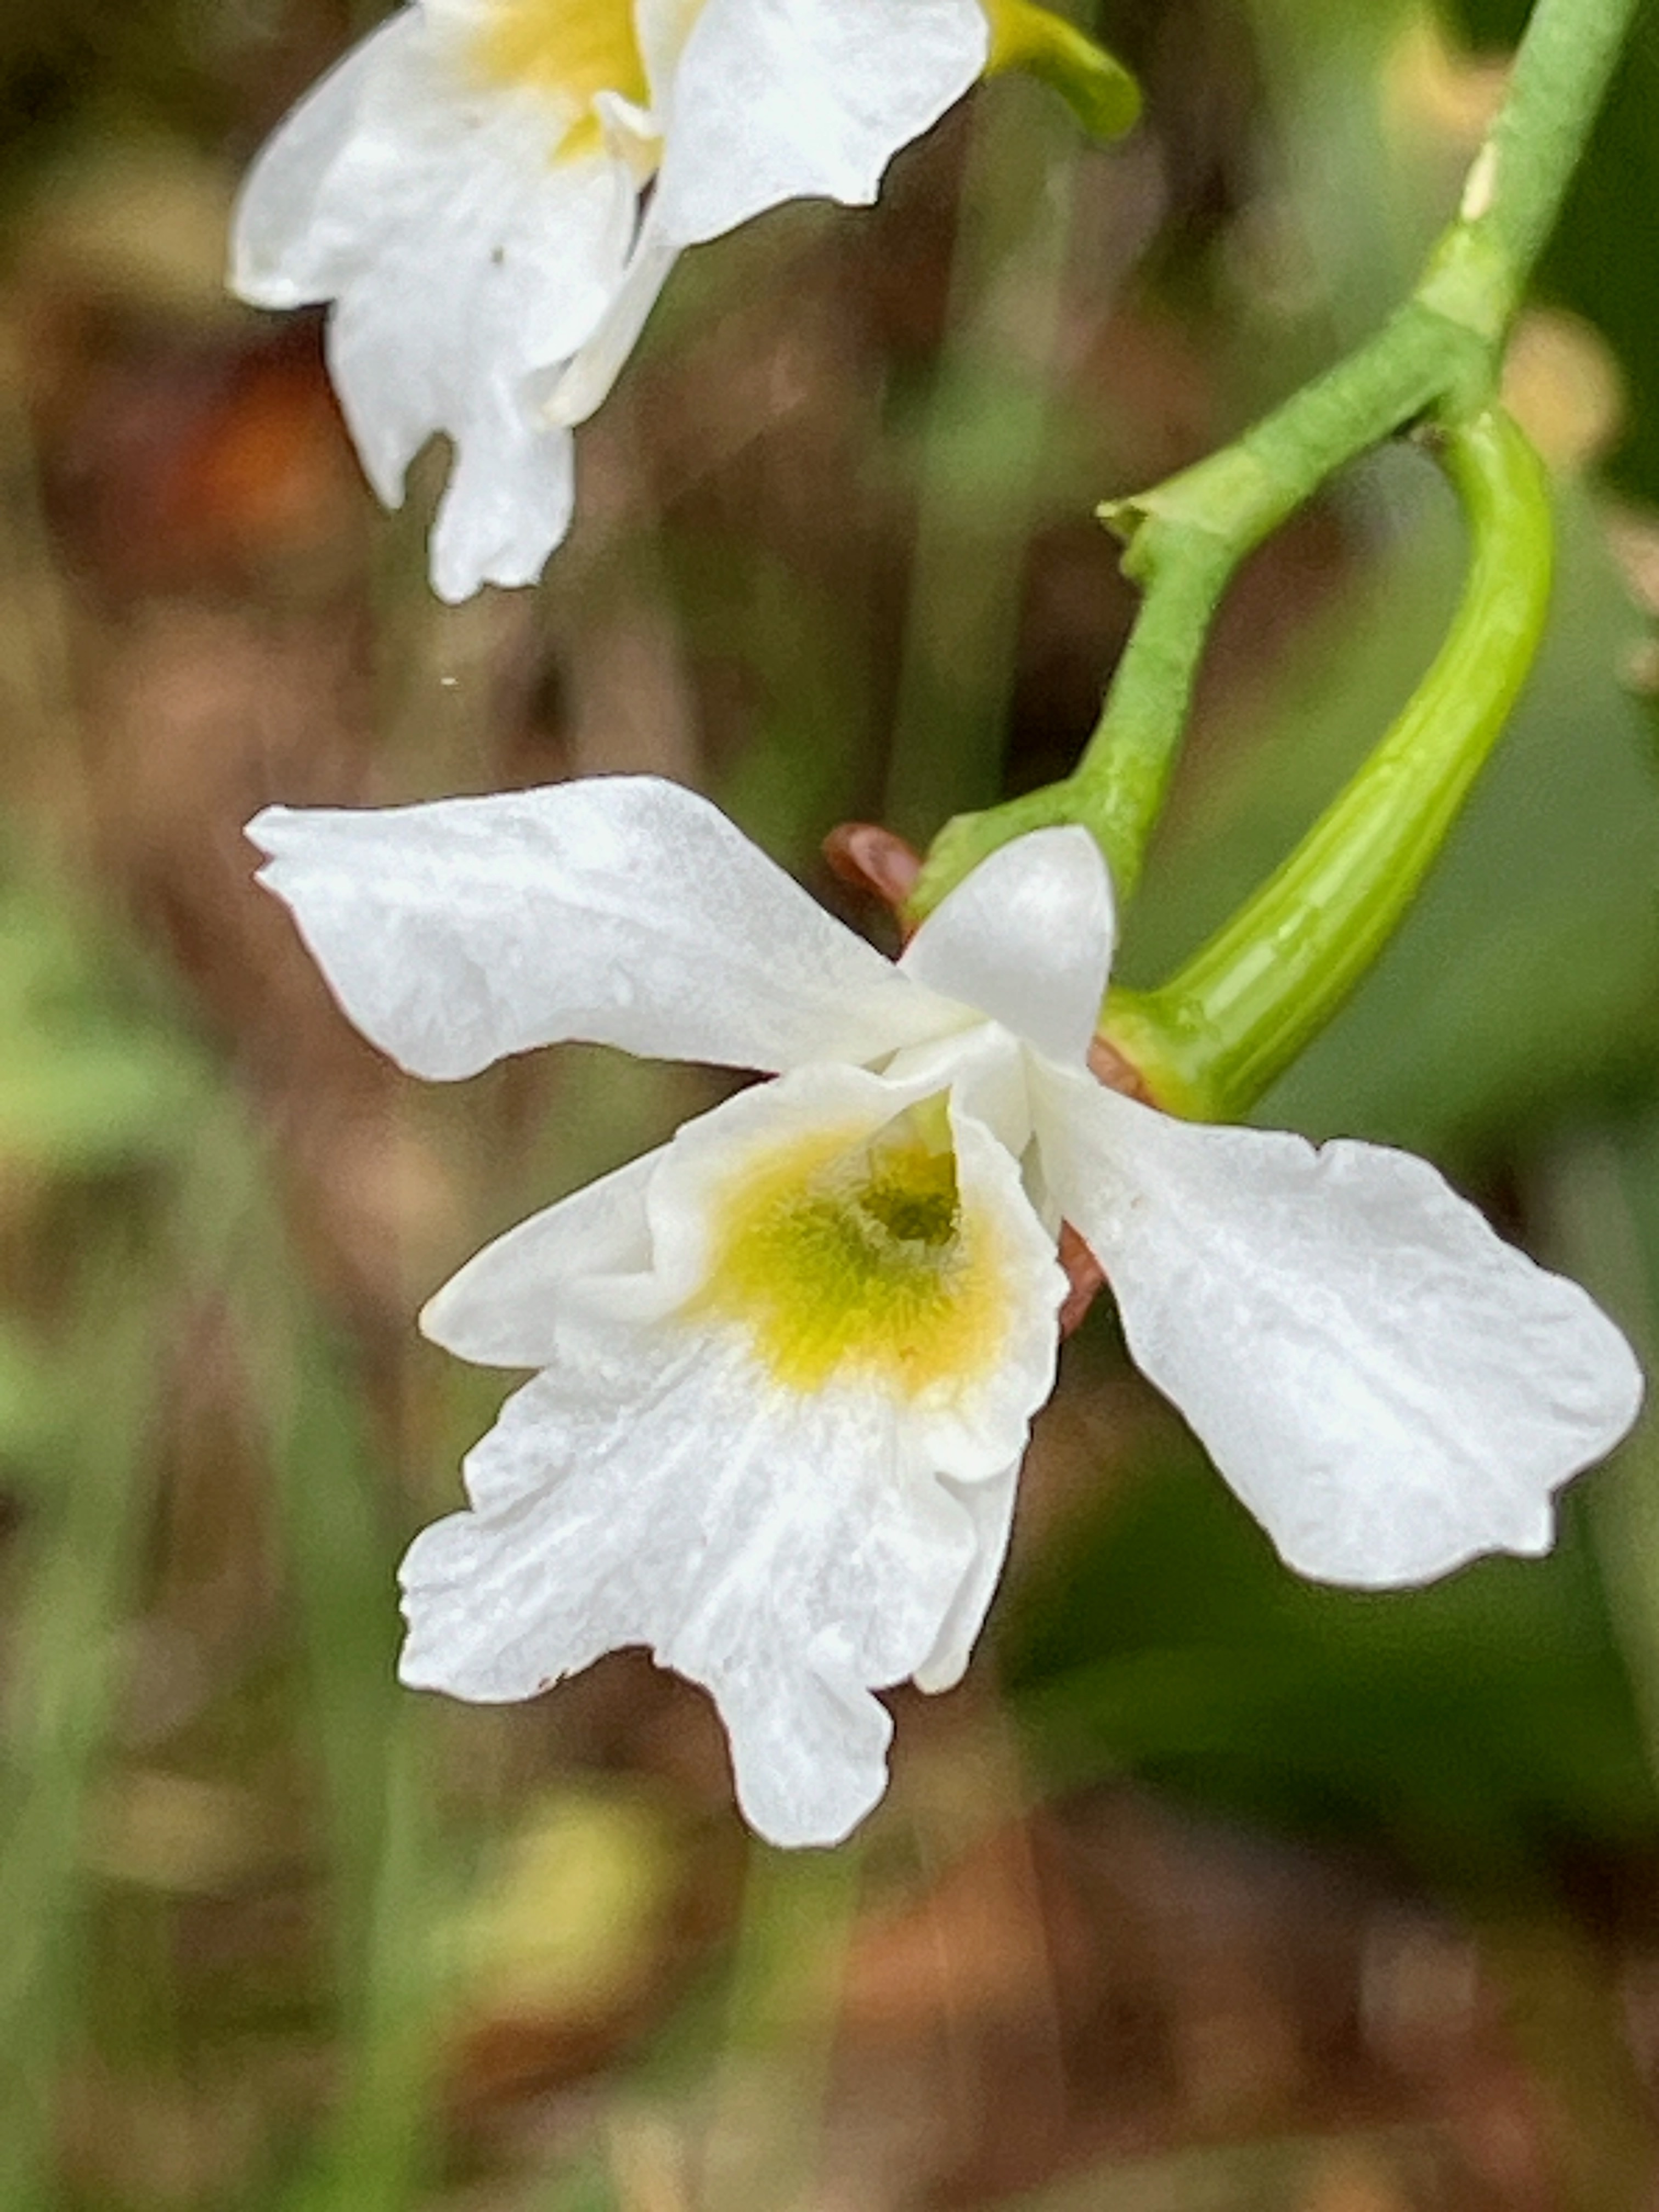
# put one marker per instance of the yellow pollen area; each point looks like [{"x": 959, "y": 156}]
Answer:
[
  {"x": 570, "y": 49},
  {"x": 843, "y": 1255}
]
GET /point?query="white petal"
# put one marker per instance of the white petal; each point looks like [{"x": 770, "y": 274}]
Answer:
[
  {"x": 988, "y": 1431},
  {"x": 284, "y": 250},
  {"x": 585, "y": 384},
  {"x": 631, "y": 135},
  {"x": 504, "y": 1307},
  {"x": 991, "y": 1507},
  {"x": 467, "y": 264},
  {"x": 984, "y": 1069},
  {"x": 620, "y": 909},
  {"x": 661, "y": 28},
  {"x": 508, "y": 503},
  {"x": 481, "y": 265},
  {"x": 1390, "y": 1387},
  {"x": 778, "y": 100},
  {"x": 1027, "y": 938},
  {"x": 784, "y": 1550}
]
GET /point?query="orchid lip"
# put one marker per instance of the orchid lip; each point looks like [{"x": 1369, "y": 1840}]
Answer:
[{"x": 785, "y": 1366}]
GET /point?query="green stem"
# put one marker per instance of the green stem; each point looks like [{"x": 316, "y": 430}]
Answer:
[
  {"x": 1519, "y": 177},
  {"x": 1211, "y": 1040},
  {"x": 1438, "y": 356}
]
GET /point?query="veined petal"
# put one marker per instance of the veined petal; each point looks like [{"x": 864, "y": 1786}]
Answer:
[
  {"x": 1390, "y": 1387},
  {"x": 990, "y": 1506},
  {"x": 784, "y": 1549},
  {"x": 621, "y": 910},
  {"x": 780, "y": 99},
  {"x": 504, "y": 1307},
  {"x": 1027, "y": 939}
]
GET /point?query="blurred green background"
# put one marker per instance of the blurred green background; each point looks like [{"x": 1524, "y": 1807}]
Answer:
[{"x": 1208, "y": 1891}]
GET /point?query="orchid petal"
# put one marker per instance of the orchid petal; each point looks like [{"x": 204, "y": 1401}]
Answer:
[
  {"x": 503, "y": 1307},
  {"x": 781, "y": 1548},
  {"x": 467, "y": 265},
  {"x": 1390, "y": 1387},
  {"x": 481, "y": 265},
  {"x": 511, "y": 494},
  {"x": 289, "y": 245},
  {"x": 662, "y": 28},
  {"x": 673, "y": 1479},
  {"x": 990, "y": 1506},
  {"x": 585, "y": 384},
  {"x": 622, "y": 910},
  {"x": 780, "y": 99},
  {"x": 1027, "y": 939}
]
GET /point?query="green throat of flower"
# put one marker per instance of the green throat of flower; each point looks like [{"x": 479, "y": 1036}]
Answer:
[{"x": 842, "y": 1253}]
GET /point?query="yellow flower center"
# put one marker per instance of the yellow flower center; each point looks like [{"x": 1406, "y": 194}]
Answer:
[
  {"x": 845, "y": 1255},
  {"x": 569, "y": 49}
]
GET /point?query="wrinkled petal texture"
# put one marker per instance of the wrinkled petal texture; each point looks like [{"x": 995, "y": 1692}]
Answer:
[
  {"x": 1390, "y": 1387},
  {"x": 780, "y": 99},
  {"x": 465, "y": 266},
  {"x": 792, "y": 1549},
  {"x": 784, "y": 1550},
  {"x": 1027, "y": 938},
  {"x": 620, "y": 911}
]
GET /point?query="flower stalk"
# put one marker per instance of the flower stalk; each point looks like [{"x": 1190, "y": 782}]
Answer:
[
  {"x": 1435, "y": 362},
  {"x": 1211, "y": 1040}
]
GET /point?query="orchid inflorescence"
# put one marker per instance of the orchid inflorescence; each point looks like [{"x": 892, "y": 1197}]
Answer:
[{"x": 785, "y": 1366}]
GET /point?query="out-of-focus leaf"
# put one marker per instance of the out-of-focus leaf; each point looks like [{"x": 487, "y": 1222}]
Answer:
[
  {"x": 84, "y": 1553},
  {"x": 87, "y": 1082},
  {"x": 583, "y": 2186},
  {"x": 795, "y": 649},
  {"x": 390, "y": 1873},
  {"x": 1527, "y": 975},
  {"x": 29, "y": 1396},
  {"x": 565, "y": 1920},
  {"x": 1252, "y": 2177},
  {"x": 82, "y": 1107}
]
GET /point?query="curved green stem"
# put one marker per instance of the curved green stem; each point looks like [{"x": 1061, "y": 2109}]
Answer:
[
  {"x": 1211, "y": 1040},
  {"x": 1437, "y": 358}
]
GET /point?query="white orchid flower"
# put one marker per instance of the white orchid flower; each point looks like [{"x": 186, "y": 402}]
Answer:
[
  {"x": 466, "y": 188},
  {"x": 788, "y": 1362}
]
